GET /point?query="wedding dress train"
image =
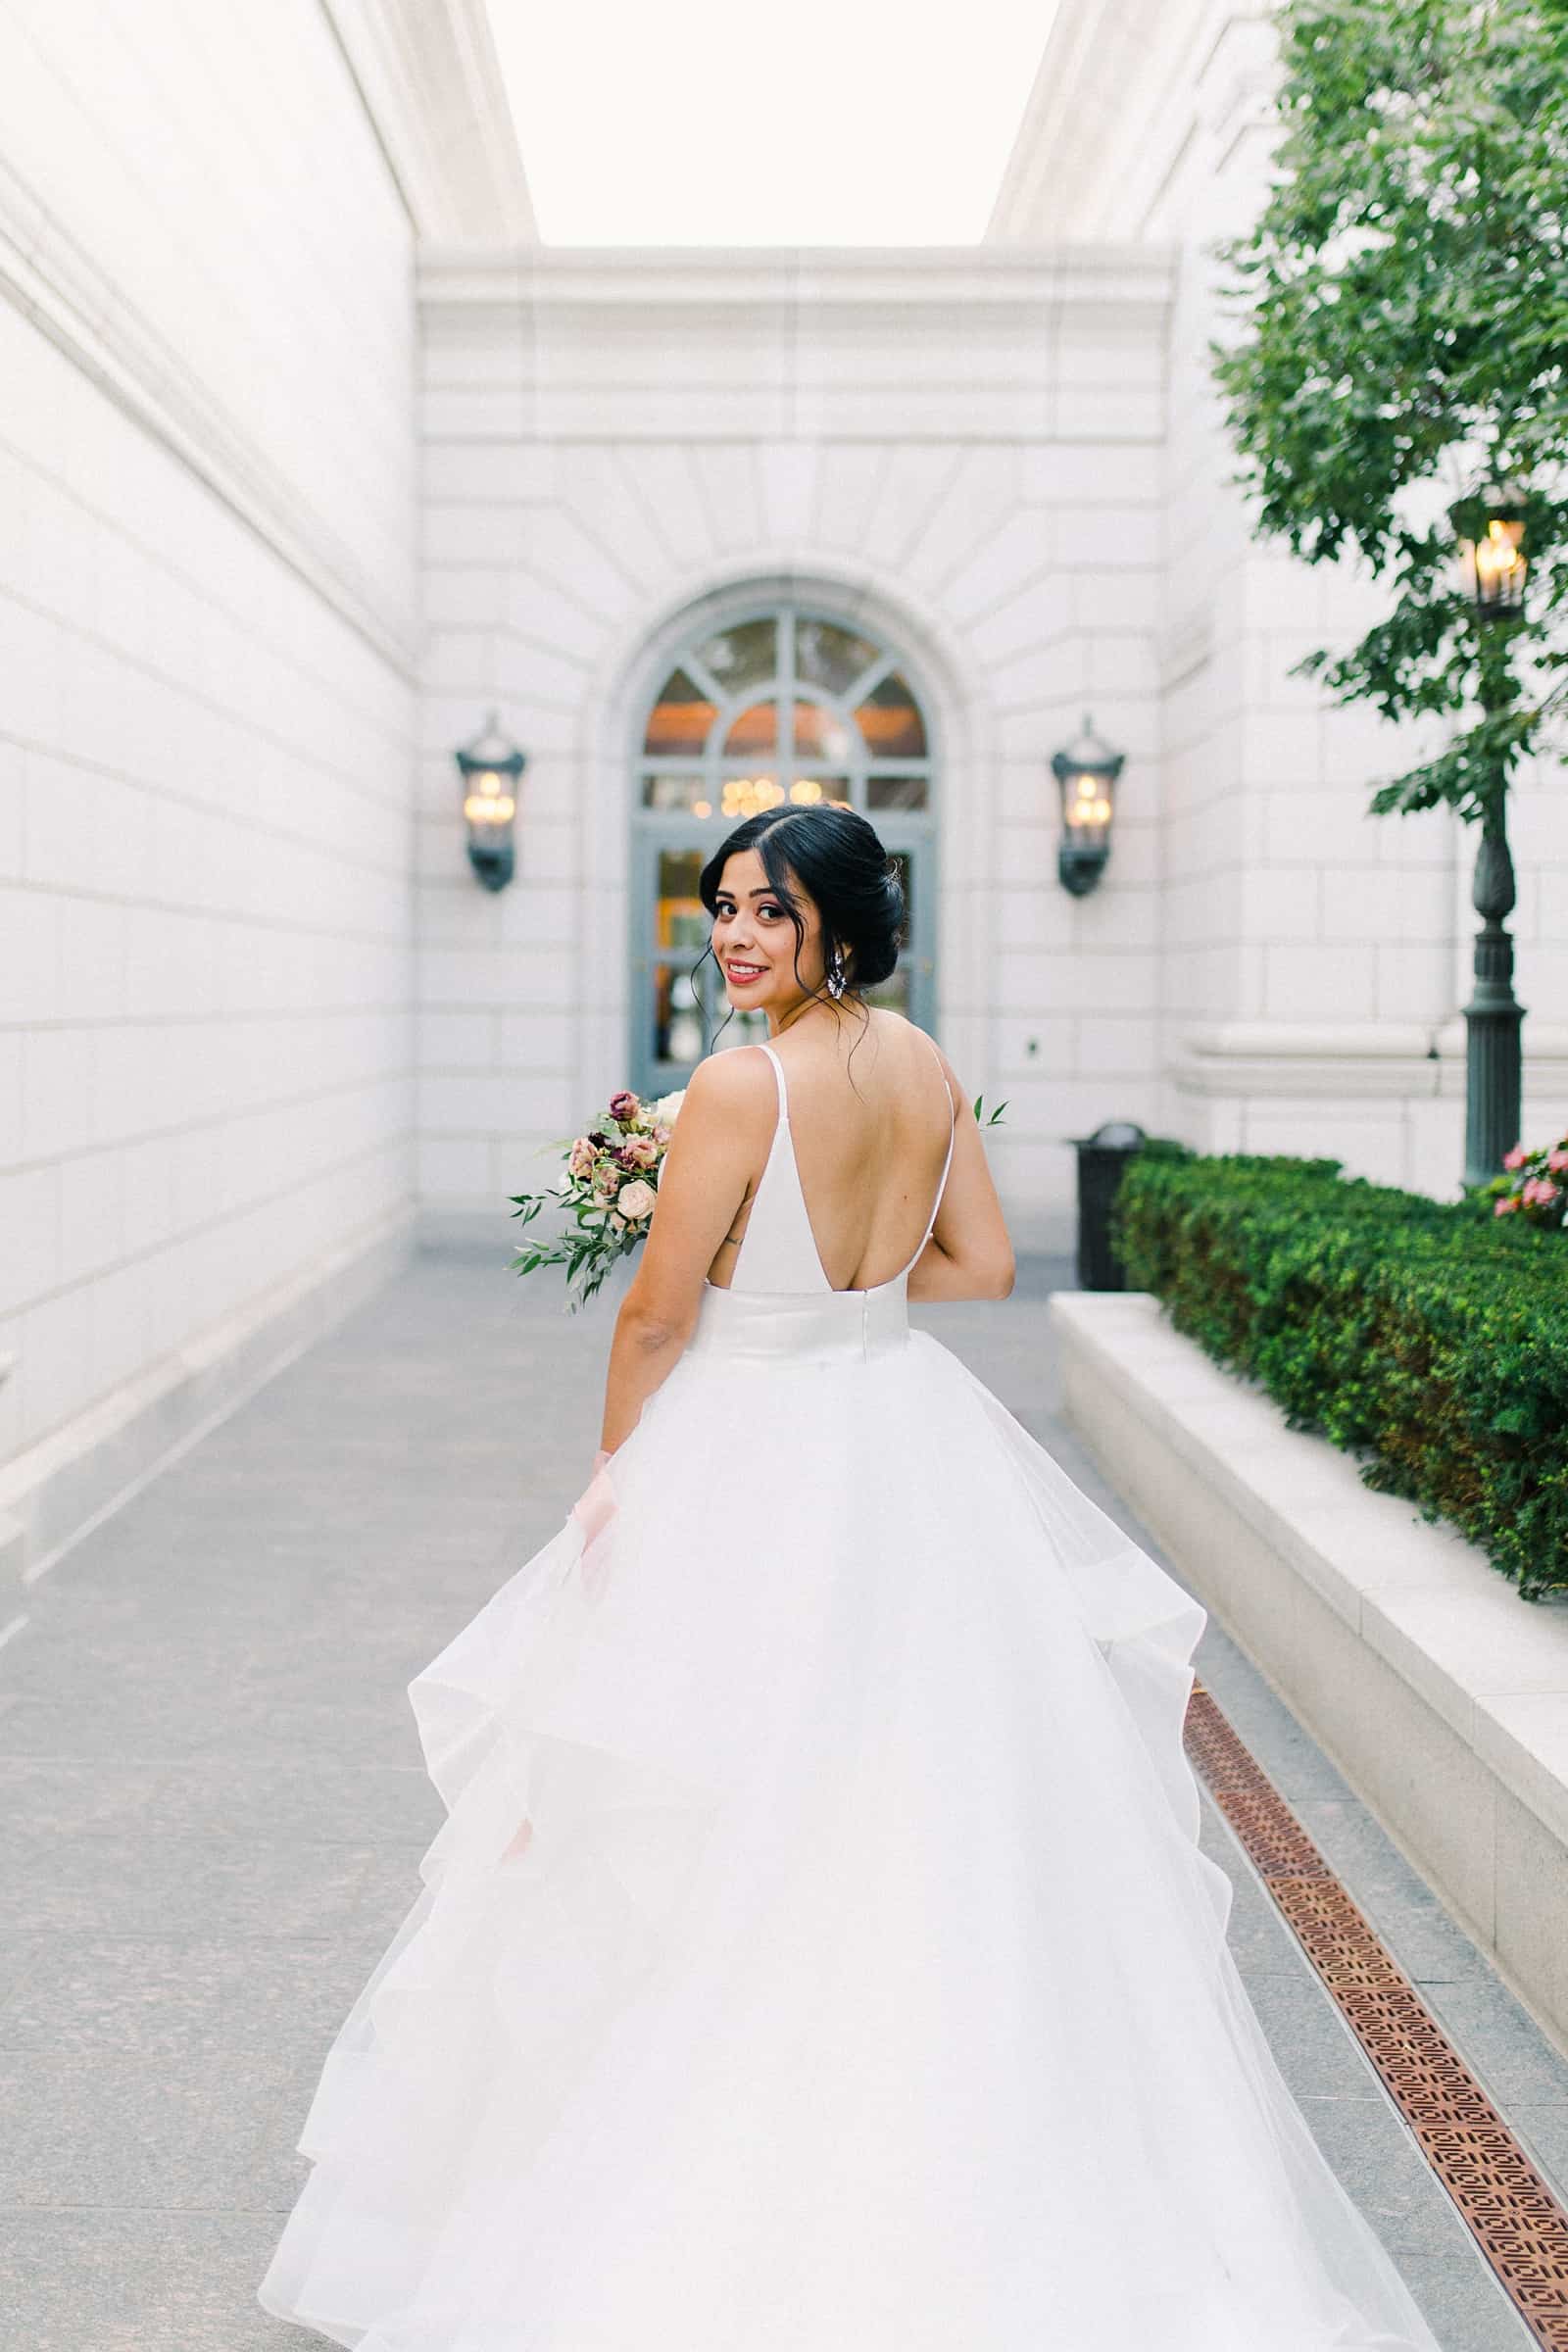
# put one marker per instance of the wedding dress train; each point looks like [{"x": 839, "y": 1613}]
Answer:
[{"x": 817, "y": 1955}]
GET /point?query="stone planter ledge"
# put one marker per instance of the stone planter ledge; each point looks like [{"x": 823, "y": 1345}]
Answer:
[{"x": 1441, "y": 1695}]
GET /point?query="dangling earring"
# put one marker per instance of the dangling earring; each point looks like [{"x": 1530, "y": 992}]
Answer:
[{"x": 835, "y": 975}]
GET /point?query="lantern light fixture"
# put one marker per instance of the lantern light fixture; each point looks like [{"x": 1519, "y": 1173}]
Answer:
[
  {"x": 1087, "y": 772},
  {"x": 491, "y": 768},
  {"x": 1490, "y": 531}
]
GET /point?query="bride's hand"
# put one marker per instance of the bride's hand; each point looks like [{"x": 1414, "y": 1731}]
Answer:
[{"x": 595, "y": 1506}]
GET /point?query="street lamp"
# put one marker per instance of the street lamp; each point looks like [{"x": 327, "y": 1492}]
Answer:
[
  {"x": 1490, "y": 531},
  {"x": 1086, "y": 773},
  {"x": 491, "y": 768}
]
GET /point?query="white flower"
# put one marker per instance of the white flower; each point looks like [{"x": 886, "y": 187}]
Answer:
[
  {"x": 667, "y": 1110},
  {"x": 636, "y": 1201}
]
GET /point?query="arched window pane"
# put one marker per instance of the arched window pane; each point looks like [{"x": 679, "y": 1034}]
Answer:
[
  {"x": 895, "y": 792},
  {"x": 681, "y": 917},
  {"x": 890, "y": 720},
  {"x": 679, "y": 721},
  {"x": 744, "y": 656},
  {"x": 819, "y": 735},
  {"x": 819, "y": 791},
  {"x": 690, "y": 793},
  {"x": 830, "y": 656},
  {"x": 756, "y": 730},
  {"x": 748, "y": 796}
]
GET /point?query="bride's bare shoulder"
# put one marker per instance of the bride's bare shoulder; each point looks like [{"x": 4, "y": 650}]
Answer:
[{"x": 734, "y": 1083}]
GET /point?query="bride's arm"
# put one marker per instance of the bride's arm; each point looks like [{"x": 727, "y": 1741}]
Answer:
[
  {"x": 720, "y": 1138},
  {"x": 969, "y": 1255}
]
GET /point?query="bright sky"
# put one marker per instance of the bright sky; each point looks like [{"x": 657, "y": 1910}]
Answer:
[{"x": 799, "y": 123}]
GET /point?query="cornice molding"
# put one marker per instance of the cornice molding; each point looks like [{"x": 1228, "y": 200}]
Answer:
[
  {"x": 1388, "y": 1061},
  {"x": 430, "y": 82},
  {"x": 1132, "y": 280},
  {"x": 52, "y": 280},
  {"x": 1121, "y": 88}
]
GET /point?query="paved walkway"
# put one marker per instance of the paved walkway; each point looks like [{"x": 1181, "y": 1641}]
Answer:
[{"x": 213, "y": 1812}]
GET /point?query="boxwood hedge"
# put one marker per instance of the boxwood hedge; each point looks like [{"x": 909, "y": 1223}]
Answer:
[{"x": 1430, "y": 1340}]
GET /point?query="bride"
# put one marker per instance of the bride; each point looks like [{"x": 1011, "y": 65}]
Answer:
[{"x": 817, "y": 1955}]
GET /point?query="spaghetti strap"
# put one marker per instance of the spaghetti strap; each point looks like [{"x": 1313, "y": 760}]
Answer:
[{"x": 941, "y": 1181}]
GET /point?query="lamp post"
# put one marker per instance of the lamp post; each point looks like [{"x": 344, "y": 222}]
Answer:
[
  {"x": 1087, "y": 774},
  {"x": 491, "y": 768},
  {"x": 1494, "y": 564},
  {"x": 1491, "y": 530}
]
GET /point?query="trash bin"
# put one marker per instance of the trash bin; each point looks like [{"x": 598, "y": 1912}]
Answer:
[{"x": 1102, "y": 1164}]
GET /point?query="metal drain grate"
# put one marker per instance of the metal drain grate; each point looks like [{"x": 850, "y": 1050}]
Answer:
[{"x": 1512, "y": 2214}]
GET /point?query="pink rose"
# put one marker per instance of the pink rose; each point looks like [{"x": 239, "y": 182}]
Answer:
[
  {"x": 581, "y": 1160},
  {"x": 636, "y": 1201},
  {"x": 1516, "y": 1158},
  {"x": 1557, "y": 1160},
  {"x": 1504, "y": 1208},
  {"x": 1540, "y": 1193},
  {"x": 623, "y": 1106},
  {"x": 638, "y": 1151}
]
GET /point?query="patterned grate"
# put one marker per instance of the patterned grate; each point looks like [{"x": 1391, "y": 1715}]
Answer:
[{"x": 1512, "y": 2214}]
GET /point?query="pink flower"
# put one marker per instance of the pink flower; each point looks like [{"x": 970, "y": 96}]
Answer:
[
  {"x": 1540, "y": 1193},
  {"x": 623, "y": 1106},
  {"x": 581, "y": 1157},
  {"x": 1557, "y": 1160},
  {"x": 1510, "y": 1159},
  {"x": 638, "y": 1151},
  {"x": 636, "y": 1201},
  {"x": 1504, "y": 1208}
]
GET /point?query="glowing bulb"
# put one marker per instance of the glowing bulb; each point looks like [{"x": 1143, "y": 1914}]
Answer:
[{"x": 489, "y": 808}]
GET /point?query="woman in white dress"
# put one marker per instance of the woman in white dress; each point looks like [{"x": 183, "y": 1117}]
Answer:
[{"x": 817, "y": 1955}]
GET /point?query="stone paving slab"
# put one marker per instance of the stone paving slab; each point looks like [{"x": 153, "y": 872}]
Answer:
[{"x": 211, "y": 1808}]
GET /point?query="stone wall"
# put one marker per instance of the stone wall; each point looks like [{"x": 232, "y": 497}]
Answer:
[
  {"x": 962, "y": 447},
  {"x": 207, "y": 633}
]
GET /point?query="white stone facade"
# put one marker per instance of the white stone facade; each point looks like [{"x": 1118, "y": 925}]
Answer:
[
  {"x": 310, "y": 454},
  {"x": 209, "y": 621},
  {"x": 611, "y": 443}
]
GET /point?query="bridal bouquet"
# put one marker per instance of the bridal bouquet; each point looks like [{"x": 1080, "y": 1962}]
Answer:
[{"x": 606, "y": 1190}]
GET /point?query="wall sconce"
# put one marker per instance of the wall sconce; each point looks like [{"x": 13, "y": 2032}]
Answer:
[
  {"x": 1491, "y": 530},
  {"x": 491, "y": 768},
  {"x": 1086, "y": 772}
]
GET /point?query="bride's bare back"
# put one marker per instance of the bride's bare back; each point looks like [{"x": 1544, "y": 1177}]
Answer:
[{"x": 869, "y": 1116}]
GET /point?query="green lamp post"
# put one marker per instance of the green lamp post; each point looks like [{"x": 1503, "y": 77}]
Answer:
[{"x": 1494, "y": 564}]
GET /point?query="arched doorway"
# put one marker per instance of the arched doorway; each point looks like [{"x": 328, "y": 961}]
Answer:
[{"x": 777, "y": 702}]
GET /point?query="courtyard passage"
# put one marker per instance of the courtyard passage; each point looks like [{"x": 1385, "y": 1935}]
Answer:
[{"x": 214, "y": 1809}]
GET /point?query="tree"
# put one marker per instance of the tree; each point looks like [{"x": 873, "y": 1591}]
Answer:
[{"x": 1403, "y": 347}]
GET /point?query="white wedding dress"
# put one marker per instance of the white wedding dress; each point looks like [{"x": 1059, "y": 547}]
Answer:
[{"x": 817, "y": 1955}]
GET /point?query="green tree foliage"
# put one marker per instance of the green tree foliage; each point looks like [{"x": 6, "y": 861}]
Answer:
[{"x": 1405, "y": 321}]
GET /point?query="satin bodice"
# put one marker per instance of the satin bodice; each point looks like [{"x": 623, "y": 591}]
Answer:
[{"x": 780, "y": 1302}]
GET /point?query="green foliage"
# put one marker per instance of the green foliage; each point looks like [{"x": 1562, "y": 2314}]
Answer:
[
  {"x": 1432, "y": 1339},
  {"x": 1404, "y": 304}
]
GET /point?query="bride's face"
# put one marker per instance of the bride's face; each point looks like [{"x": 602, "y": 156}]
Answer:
[{"x": 753, "y": 940}]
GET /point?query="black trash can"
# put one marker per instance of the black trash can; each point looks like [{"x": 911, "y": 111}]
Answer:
[{"x": 1102, "y": 1164}]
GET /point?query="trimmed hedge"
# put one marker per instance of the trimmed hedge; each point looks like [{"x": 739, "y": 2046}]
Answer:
[{"x": 1430, "y": 1340}]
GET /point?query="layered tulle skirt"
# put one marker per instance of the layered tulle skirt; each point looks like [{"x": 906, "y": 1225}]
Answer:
[{"x": 817, "y": 1955}]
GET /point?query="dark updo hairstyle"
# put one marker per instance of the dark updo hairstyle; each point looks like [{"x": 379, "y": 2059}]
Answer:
[{"x": 835, "y": 857}]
